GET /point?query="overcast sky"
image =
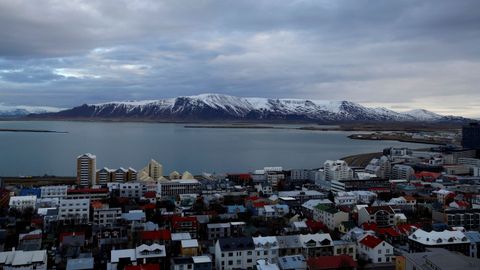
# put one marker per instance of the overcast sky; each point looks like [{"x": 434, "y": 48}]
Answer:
[{"x": 398, "y": 54}]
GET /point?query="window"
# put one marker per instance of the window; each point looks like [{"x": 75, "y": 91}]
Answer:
[
  {"x": 230, "y": 254},
  {"x": 230, "y": 262},
  {"x": 379, "y": 251},
  {"x": 379, "y": 259}
]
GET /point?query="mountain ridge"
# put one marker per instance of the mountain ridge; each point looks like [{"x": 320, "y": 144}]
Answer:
[{"x": 207, "y": 107}]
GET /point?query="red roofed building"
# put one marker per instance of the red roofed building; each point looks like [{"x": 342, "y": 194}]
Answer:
[
  {"x": 374, "y": 249},
  {"x": 143, "y": 267},
  {"x": 159, "y": 237},
  {"x": 331, "y": 262},
  {"x": 427, "y": 176},
  {"x": 389, "y": 234},
  {"x": 185, "y": 224}
]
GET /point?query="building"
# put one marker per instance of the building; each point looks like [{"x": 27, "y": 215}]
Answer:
[
  {"x": 106, "y": 216},
  {"x": 337, "y": 170},
  {"x": 471, "y": 136},
  {"x": 330, "y": 216},
  {"x": 185, "y": 225},
  {"x": 104, "y": 176},
  {"x": 343, "y": 262},
  {"x": 289, "y": 245},
  {"x": 74, "y": 210},
  {"x": 314, "y": 245},
  {"x": 189, "y": 247},
  {"x": 235, "y": 253},
  {"x": 153, "y": 171},
  {"x": 218, "y": 230},
  {"x": 293, "y": 262},
  {"x": 342, "y": 247},
  {"x": 21, "y": 203},
  {"x": 400, "y": 171},
  {"x": 375, "y": 250},
  {"x": 381, "y": 167},
  {"x": 193, "y": 263},
  {"x": 178, "y": 186},
  {"x": 436, "y": 258},
  {"x": 383, "y": 216},
  {"x": 86, "y": 170},
  {"x": 131, "y": 190},
  {"x": 456, "y": 241},
  {"x": 266, "y": 248},
  {"x": 467, "y": 218},
  {"x": 53, "y": 191},
  {"x": 24, "y": 260}
]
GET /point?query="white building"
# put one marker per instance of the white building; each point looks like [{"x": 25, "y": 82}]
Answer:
[
  {"x": 314, "y": 245},
  {"x": 86, "y": 169},
  {"x": 329, "y": 216},
  {"x": 266, "y": 248},
  {"x": 178, "y": 186},
  {"x": 76, "y": 210},
  {"x": 23, "y": 202},
  {"x": 337, "y": 170},
  {"x": 345, "y": 198},
  {"x": 383, "y": 216},
  {"x": 53, "y": 191},
  {"x": 131, "y": 189},
  {"x": 374, "y": 249},
  {"x": 140, "y": 253},
  {"x": 400, "y": 171},
  {"x": 24, "y": 260},
  {"x": 381, "y": 167}
]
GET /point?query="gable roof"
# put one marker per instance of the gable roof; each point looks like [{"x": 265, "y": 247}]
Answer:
[{"x": 371, "y": 241}]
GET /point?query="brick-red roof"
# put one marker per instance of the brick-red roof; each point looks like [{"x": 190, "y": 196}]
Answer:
[
  {"x": 371, "y": 241},
  {"x": 150, "y": 194},
  {"x": 64, "y": 234},
  {"x": 87, "y": 190},
  {"x": 156, "y": 235},
  {"x": 149, "y": 206},
  {"x": 388, "y": 231},
  {"x": 373, "y": 209},
  {"x": 143, "y": 267},
  {"x": 369, "y": 226},
  {"x": 331, "y": 262}
]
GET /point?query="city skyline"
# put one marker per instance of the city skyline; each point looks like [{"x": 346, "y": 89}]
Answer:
[{"x": 400, "y": 55}]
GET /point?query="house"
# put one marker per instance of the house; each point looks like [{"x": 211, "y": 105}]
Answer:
[
  {"x": 21, "y": 203},
  {"x": 342, "y": 247},
  {"x": 185, "y": 224},
  {"x": 266, "y": 248},
  {"x": 24, "y": 260},
  {"x": 218, "y": 230},
  {"x": 235, "y": 253},
  {"x": 474, "y": 238},
  {"x": 383, "y": 216},
  {"x": 157, "y": 236},
  {"x": 330, "y": 216},
  {"x": 443, "y": 194},
  {"x": 189, "y": 247},
  {"x": 309, "y": 206},
  {"x": 142, "y": 254},
  {"x": 375, "y": 250},
  {"x": 293, "y": 262},
  {"x": 289, "y": 245},
  {"x": 314, "y": 245},
  {"x": 331, "y": 263},
  {"x": 194, "y": 263},
  {"x": 457, "y": 241}
]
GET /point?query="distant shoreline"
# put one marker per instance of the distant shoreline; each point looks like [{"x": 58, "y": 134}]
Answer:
[{"x": 31, "y": 130}]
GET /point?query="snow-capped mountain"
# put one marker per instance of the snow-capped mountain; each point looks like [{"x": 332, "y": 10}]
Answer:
[
  {"x": 7, "y": 110},
  {"x": 206, "y": 107}
]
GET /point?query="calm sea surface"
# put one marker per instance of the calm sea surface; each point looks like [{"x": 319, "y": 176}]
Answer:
[{"x": 177, "y": 148}]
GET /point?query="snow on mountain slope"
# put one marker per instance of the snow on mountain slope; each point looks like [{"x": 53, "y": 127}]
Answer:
[
  {"x": 8, "y": 110},
  {"x": 422, "y": 114},
  {"x": 225, "y": 107}
]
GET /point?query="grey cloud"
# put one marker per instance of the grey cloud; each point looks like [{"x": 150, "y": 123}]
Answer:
[{"x": 395, "y": 52}]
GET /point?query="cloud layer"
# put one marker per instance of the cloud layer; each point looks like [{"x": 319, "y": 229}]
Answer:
[{"x": 398, "y": 54}]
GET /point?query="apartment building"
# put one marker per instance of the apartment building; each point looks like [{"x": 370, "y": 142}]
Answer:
[
  {"x": 74, "y": 210},
  {"x": 86, "y": 170}
]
